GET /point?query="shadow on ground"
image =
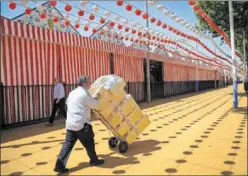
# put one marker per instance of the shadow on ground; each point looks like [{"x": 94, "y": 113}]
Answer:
[
  {"x": 138, "y": 147},
  {"x": 32, "y": 143},
  {"x": 241, "y": 110},
  {"x": 110, "y": 162},
  {"x": 18, "y": 133},
  {"x": 241, "y": 94}
]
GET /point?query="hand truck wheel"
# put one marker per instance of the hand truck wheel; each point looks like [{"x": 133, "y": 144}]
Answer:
[
  {"x": 122, "y": 146},
  {"x": 112, "y": 142}
]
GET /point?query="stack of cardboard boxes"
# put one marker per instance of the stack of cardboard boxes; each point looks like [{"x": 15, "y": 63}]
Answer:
[{"x": 117, "y": 109}]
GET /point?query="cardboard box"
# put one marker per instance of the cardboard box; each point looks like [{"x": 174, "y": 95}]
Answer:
[
  {"x": 118, "y": 110},
  {"x": 128, "y": 104}
]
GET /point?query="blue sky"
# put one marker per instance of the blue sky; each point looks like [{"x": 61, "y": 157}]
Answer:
[{"x": 181, "y": 8}]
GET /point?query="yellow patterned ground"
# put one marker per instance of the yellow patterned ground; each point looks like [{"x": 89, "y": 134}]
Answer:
[{"x": 192, "y": 134}]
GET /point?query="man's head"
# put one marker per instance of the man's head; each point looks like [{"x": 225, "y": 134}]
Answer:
[
  {"x": 83, "y": 81},
  {"x": 56, "y": 80}
]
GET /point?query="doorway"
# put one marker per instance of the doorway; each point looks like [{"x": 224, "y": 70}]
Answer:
[{"x": 156, "y": 78}]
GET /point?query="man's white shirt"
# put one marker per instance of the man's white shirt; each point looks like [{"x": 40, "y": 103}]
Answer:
[
  {"x": 79, "y": 105},
  {"x": 59, "y": 91}
]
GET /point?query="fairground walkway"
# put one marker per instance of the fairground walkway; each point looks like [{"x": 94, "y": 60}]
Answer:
[{"x": 194, "y": 134}]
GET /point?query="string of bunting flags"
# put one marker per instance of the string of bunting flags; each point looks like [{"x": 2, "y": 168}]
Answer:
[
  {"x": 197, "y": 55},
  {"x": 177, "y": 54},
  {"x": 193, "y": 53},
  {"x": 138, "y": 12},
  {"x": 187, "y": 25},
  {"x": 192, "y": 47},
  {"x": 210, "y": 22}
]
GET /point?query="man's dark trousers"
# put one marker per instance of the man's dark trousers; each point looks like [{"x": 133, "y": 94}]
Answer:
[
  {"x": 60, "y": 105},
  {"x": 86, "y": 137}
]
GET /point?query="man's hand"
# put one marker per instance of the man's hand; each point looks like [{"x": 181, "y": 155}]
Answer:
[
  {"x": 57, "y": 101},
  {"x": 94, "y": 115},
  {"x": 97, "y": 96}
]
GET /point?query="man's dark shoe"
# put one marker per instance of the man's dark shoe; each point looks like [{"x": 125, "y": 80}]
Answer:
[
  {"x": 97, "y": 163},
  {"x": 61, "y": 170}
]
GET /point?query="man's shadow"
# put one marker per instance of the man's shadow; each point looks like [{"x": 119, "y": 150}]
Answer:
[
  {"x": 141, "y": 147},
  {"x": 138, "y": 147}
]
